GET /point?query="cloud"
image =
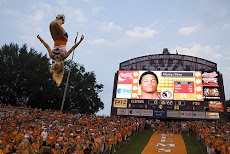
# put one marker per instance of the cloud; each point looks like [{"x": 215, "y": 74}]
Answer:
[
  {"x": 7, "y": 12},
  {"x": 87, "y": 1},
  {"x": 110, "y": 26},
  {"x": 96, "y": 10},
  {"x": 96, "y": 41},
  {"x": 226, "y": 27},
  {"x": 37, "y": 17},
  {"x": 223, "y": 12},
  {"x": 76, "y": 14},
  {"x": 31, "y": 22},
  {"x": 197, "y": 50},
  {"x": 189, "y": 30},
  {"x": 141, "y": 32}
]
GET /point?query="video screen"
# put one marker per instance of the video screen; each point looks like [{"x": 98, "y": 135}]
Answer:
[
  {"x": 168, "y": 85},
  {"x": 210, "y": 86}
]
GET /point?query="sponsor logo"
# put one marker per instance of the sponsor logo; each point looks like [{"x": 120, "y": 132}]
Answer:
[
  {"x": 216, "y": 105},
  {"x": 159, "y": 113},
  {"x": 186, "y": 114},
  {"x": 146, "y": 112},
  {"x": 211, "y": 92},
  {"x": 126, "y": 91},
  {"x": 210, "y": 81},
  {"x": 120, "y": 103},
  {"x": 173, "y": 113},
  {"x": 134, "y": 112},
  {"x": 197, "y": 114},
  {"x": 122, "y": 111},
  {"x": 212, "y": 115},
  {"x": 125, "y": 77},
  {"x": 210, "y": 75}
]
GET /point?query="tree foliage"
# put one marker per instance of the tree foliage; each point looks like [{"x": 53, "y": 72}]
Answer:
[
  {"x": 25, "y": 80},
  {"x": 227, "y": 106}
]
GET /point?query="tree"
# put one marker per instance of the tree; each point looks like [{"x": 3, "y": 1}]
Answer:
[
  {"x": 227, "y": 105},
  {"x": 83, "y": 90},
  {"x": 25, "y": 80}
]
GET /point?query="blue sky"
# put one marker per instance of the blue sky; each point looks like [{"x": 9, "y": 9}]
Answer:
[{"x": 116, "y": 31}]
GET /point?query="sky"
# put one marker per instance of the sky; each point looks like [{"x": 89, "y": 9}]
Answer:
[{"x": 116, "y": 31}]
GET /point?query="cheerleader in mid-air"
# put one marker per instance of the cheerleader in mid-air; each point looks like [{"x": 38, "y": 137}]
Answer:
[{"x": 58, "y": 53}]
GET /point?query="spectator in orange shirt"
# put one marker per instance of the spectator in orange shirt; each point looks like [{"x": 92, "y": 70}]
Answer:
[
  {"x": 102, "y": 143},
  {"x": 217, "y": 144}
]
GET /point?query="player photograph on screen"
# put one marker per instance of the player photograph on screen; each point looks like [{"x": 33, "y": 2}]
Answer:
[{"x": 148, "y": 83}]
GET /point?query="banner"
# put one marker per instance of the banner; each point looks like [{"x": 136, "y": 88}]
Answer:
[
  {"x": 120, "y": 103},
  {"x": 135, "y": 112},
  {"x": 198, "y": 115},
  {"x": 174, "y": 114},
  {"x": 185, "y": 114},
  {"x": 160, "y": 113},
  {"x": 217, "y": 105},
  {"x": 212, "y": 115},
  {"x": 146, "y": 112},
  {"x": 121, "y": 111},
  {"x": 211, "y": 93}
]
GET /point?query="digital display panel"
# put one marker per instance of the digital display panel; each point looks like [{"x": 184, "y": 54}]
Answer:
[
  {"x": 210, "y": 86},
  {"x": 168, "y": 85}
]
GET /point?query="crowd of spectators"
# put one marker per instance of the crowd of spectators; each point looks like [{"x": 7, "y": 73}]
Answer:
[
  {"x": 215, "y": 135},
  {"x": 37, "y": 131},
  {"x": 25, "y": 130}
]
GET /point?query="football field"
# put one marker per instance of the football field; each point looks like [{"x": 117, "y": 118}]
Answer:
[{"x": 148, "y": 142}]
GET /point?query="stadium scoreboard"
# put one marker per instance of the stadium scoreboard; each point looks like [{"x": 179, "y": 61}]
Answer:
[{"x": 182, "y": 95}]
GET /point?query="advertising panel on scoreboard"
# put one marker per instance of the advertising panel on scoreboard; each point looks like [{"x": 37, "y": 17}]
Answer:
[
  {"x": 174, "y": 114},
  {"x": 198, "y": 115},
  {"x": 170, "y": 85},
  {"x": 120, "y": 103},
  {"x": 185, "y": 114},
  {"x": 216, "y": 105},
  {"x": 121, "y": 111},
  {"x": 212, "y": 115},
  {"x": 210, "y": 79},
  {"x": 210, "y": 86},
  {"x": 211, "y": 93}
]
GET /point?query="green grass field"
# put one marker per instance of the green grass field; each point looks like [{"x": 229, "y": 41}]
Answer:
[
  {"x": 192, "y": 145},
  {"x": 138, "y": 142}
]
